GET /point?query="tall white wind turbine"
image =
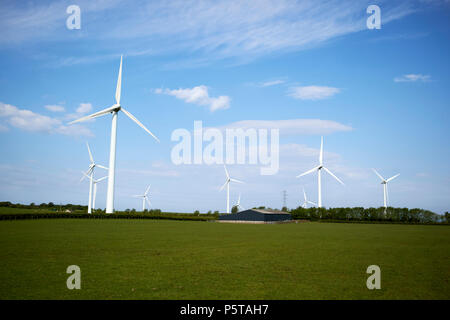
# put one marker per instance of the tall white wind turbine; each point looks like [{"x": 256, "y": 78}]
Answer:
[
  {"x": 94, "y": 182},
  {"x": 384, "y": 182},
  {"x": 318, "y": 169},
  {"x": 227, "y": 184},
  {"x": 114, "y": 109},
  {"x": 306, "y": 201},
  {"x": 90, "y": 174},
  {"x": 144, "y": 198}
]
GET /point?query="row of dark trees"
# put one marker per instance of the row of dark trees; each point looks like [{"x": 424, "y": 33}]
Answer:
[
  {"x": 75, "y": 207},
  {"x": 44, "y": 206},
  {"x": 371, "y": 214}
]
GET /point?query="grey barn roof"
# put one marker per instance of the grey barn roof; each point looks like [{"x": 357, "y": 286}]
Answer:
[
  {"x": 266, "y": 211},
  {"x": 257, "y": 215}
]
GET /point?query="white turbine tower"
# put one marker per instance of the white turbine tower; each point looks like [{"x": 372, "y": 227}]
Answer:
[
  {"x": 114, "y": 109},
  {"x": 306, "y": 201},
  {"x": 319, "y": 168},
  {"x": 144, "y": 198},
  {"x": 227, "y": 184},
  {"x": 238, "y": 204},
  {"x": 384, "y": 182},
  {"x": 90, "y": 173},
  {"x": 94, "y": 182}
]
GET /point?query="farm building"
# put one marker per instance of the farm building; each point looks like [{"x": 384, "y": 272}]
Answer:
[{"x": 256, "y": 216}]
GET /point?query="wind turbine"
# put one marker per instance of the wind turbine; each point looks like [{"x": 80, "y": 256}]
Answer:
[
  {"x": 238, "y": 204},
  {"x": 144, "y": 198},
  {"x": 305, "y": 203},
  {"x": 94, "y": 182},
  {"x": 384, "y": 182},
  {"x": 114, "y": 109},
  {"x": 90, "y": 173},
  {"x": 227, "y": 184},
  {"x": 319, "y": 168}
]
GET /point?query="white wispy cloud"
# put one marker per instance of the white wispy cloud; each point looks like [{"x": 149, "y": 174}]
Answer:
[
  {"x": 55, "y": 108},
  {"x": 152, "y": 173},
  {"x": 292, "y": 126},
  {"x": 313, "y": 92},
  {"x": 28, "y": 120},
  {"x": 413, "y": 78},
  {"x": 84, "y": 108},
  {"x": 271, "y": 83},
  {"x": 214, "y": 29},
  {"x": 198, "y": 95},
  {"x": 296, "y": 151}
]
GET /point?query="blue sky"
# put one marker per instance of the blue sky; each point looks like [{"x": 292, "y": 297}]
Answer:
[{"x": 381, "y": 97}]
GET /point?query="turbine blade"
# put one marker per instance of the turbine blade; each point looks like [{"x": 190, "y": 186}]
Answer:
[
  {"x": 148, "y": 201},
  {"x": 321, "y": 151},
  {"x": 90, "y": 154},
  {"x": 235, "y": 180},
  {"x": 392, "y": 178},
  {"x": 119, "y": 83},
  {"x": 138, "y": 196},
  {"x": 313, "y": 203},
  {"x": 304, "y": 194},
  {"x": 226, "y": 172},
  {"x": 307, "y": 172},
  {"x": 221, "y": 188},
  {"x": 146, "y": 191},
  {"x": 379, "y": 175},
  {"x": 334, "y": 176},
  {"x": 97, "y": 165},
  {"x": 86, "y": 174},
  {"x": 101, "y": 179},
  {"x": 95, "y": 115},
  {"x": 138, "y": 123}
]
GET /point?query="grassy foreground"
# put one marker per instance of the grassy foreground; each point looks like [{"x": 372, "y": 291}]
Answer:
[{"x": 155, "y": 259}]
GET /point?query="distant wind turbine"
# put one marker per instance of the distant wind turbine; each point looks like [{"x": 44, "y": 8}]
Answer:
[
  {"x": 306, "y": 201},
  {"x": 90, "y": 174},
  {"x": 227, "y": 184},
  {"x": 114, "y": 109},
  {"x": 94, "y": 182},
  {"x": 319, "y": 168},
  {"x": 384, "y": 182},
  {"x": 238, "y": 204},
  {"x": 144, "y": 198}
]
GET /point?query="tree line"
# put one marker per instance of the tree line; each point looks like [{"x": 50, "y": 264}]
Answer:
[
  {"x": 389, "y": 214},
  {"x": 44, "y": 206}
]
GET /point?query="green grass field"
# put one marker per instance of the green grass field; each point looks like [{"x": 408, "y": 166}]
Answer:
[{"x": 155, "y": 259}]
